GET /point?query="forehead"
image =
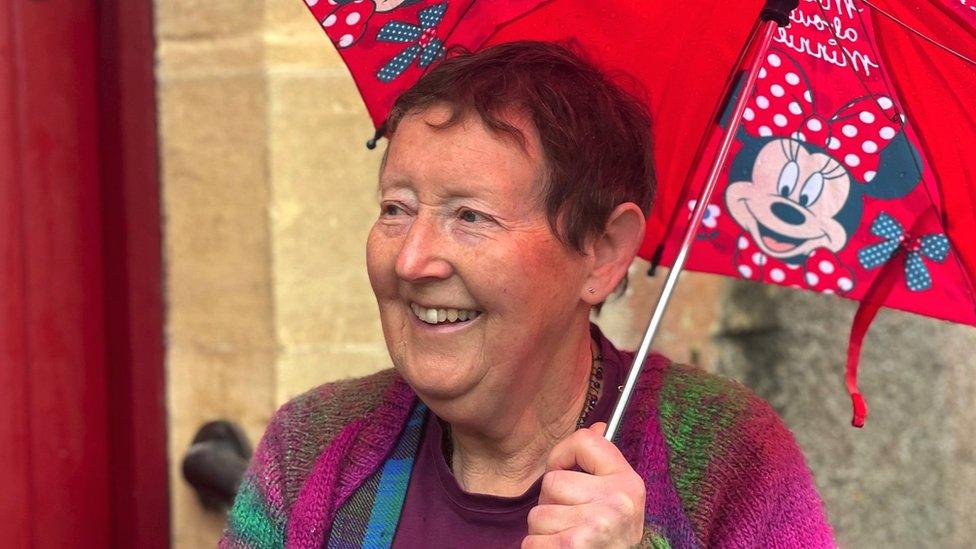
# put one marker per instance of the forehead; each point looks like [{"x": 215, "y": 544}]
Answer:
[{"x": 465, "y": 153}]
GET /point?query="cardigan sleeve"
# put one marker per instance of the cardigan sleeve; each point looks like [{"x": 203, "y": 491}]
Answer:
[
  {"x": 741, "y": 476},
  {"x": 770, "y": 497},
  {"x": 257, "y": 518}
]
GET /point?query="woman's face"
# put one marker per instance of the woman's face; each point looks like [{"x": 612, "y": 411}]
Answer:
[{"x": 461, "y": 228}]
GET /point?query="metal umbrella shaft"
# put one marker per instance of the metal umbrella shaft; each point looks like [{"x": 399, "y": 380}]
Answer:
[{"x": 765, "y": 32}]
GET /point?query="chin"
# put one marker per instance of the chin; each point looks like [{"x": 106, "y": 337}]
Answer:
[{"x": 434, "y": 377}]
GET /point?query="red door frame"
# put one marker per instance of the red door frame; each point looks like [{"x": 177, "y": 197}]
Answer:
[{"x": 82, "y": 409}]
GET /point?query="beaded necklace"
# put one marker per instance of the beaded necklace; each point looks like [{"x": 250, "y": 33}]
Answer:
[{"x": 592, "y": 390}]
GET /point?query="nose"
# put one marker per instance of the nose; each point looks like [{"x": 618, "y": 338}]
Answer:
[
  {"x": 422, "y": 255},
  {"x": 788, "y": 213}
]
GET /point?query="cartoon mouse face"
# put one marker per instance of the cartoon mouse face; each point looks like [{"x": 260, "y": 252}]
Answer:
[{"x": 789, "y": 207}]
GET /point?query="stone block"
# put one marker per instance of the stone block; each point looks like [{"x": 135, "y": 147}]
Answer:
[
  {"x": 301, "y": 368},
  {"x": 205, "y": 385},
  {"x": 906, "y": 479},
  {"x": 215, "y": 197},
  {"x": 210, "y": 60},
  {"x": 324, "y": 203},
  {"x": 689, "y": 322},
  {"x": 295, "y": 39},
  {"x": 207, "y": 19}
]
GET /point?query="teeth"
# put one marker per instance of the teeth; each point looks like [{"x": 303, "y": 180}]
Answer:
[{"x": 438, "y": 316}]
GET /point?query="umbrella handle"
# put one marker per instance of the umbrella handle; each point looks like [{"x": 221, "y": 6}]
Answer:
[{"x": 774, "y": 15}]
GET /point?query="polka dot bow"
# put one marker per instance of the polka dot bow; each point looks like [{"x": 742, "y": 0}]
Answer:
[
  {"x": 422, "y": 37},
  {"x": 782, "y": 106},
  {"x": 346, "y": 24},
  {"x": 931, "y": 246}
]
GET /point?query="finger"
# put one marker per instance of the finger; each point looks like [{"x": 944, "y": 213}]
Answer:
[
  {"x": 552, "y": 519},
  {"x": 574, "y": 537},
  {"x": 540, "y": 541},
  {"x": 570, "y": 488},
  {"x": 587, "y": 449}
]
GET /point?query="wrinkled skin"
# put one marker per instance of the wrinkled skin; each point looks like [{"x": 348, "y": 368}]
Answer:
[
  {"x": 603, "y": 506},
  {"x": 461, "y": 226}
]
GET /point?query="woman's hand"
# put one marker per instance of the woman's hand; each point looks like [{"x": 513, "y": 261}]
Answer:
[{"x": 603, "y": 506}]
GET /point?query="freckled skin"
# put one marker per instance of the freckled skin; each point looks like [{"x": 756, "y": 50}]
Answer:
[
  {"x": 461, "y": 225},
  {"x": 751, "y": 203}
]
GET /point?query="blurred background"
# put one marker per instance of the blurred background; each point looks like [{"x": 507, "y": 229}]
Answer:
[{"x": 184, "y": 199}]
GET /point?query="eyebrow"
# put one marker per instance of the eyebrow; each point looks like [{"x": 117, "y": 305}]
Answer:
[{"x": 482, "y": 186}]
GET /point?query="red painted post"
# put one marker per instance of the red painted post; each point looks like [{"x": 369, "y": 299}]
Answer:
[
  {"x": 82, "y": 417},
  {"x": 133, "y": 269},
  {"x": 15, "y": 498},
  {"x": 67, "y": 401}
]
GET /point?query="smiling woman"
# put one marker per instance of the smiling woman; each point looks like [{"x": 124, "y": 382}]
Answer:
[{"x": 512, "y": 199}]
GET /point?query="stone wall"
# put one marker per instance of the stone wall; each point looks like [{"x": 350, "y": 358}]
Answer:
[
  {"x": 907, "y": 479},
  {"x": 221, "y": 341},
  {"x": 268, "y": 193}
]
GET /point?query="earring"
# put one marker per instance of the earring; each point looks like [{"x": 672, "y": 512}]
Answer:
[{"x": 591, "y": 290}]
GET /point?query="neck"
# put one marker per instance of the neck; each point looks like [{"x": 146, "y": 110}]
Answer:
[{"x": 505, "y": 455}]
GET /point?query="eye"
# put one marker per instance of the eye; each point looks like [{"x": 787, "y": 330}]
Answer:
[
  {"x": 811, "y": 189},
  {"x": 788, "y": 178},
  {"x": 471, "y": 216},
  {"x": 390, "y": 209}
]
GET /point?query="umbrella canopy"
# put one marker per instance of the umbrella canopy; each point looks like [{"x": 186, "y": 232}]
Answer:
[
  {"x": 845, "y": 55},
  {"x": 851, "y": 172}
]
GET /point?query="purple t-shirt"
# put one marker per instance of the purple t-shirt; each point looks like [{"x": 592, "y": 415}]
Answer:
[{"x": 437, "y": 512}]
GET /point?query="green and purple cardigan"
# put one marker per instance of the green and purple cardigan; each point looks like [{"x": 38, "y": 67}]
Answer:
[{"x": 719, "y": 466}]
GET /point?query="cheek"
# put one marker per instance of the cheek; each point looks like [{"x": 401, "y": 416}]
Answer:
[
  {"x": 381, "y": 254},
  {"x": 547, "y": 276},
  {"x": 831, "y": 201},
  {"x": 527, "y": 277},
  {"x": 837, "y": 234},
  {"x": 734, "y": 196}
]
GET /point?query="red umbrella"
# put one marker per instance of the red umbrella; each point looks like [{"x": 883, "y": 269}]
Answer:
[{"x": 847, "y": 153}]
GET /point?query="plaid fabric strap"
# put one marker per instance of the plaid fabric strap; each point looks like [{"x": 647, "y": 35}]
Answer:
[{"x": 370, "y": 516}]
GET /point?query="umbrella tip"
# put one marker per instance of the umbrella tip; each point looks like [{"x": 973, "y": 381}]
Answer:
[
  {"x": 779, "y": 11},
  {"x": 655, "y": 260},
  {"x": 371, "y": 143}
]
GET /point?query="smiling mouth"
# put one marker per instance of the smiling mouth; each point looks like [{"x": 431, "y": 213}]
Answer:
[
  {"x": 445, "y": 315},
  {"x": 776, "y": 242},
  {"x": 772, "y": 240}
]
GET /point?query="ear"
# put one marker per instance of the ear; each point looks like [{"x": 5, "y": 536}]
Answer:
[
  {"x": 899, "y": 170},
  {"x": 612, "y": 252}
]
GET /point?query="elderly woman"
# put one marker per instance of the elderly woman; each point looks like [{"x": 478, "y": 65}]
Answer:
[{"x": 512, "y": 199}]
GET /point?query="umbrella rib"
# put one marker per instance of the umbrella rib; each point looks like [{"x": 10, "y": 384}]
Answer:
[
  {"x": 919, "y": 33},
  {"x": 450, "y": 32},
  {"x": 959, "y": 263}
]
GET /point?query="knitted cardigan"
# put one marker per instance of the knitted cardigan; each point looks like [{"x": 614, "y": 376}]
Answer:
[{"x": 719, "y": 467}]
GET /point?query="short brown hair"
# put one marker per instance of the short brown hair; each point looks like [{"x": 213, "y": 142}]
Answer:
[{"x": 595, "y": 135}]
